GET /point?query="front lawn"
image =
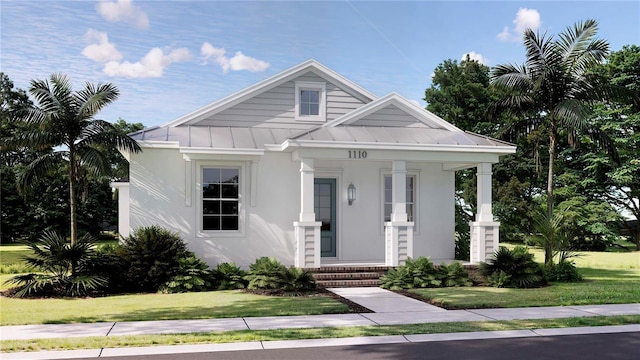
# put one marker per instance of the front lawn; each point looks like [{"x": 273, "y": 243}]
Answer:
[
  {"x": 202, "y": 305},
  {"x": 615, "y": 280}
]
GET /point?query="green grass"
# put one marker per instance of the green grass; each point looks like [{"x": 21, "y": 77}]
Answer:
[
  {"x": 11, "y": 258},
  {"x": 315, "y": 333},
  {"x": 601, "y": 286},
  {"x": 203, "y": 305}
]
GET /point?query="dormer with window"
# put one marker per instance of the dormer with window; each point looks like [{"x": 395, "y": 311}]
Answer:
[{"x": 311, "y": 101}]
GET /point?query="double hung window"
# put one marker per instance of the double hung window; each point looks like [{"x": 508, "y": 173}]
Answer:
[
  {"x": 410, "y": 193},
  {"x": 220, "y": 198}
]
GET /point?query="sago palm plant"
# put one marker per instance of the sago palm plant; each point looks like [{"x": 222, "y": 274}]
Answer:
[{"x": 62, "y": 268}]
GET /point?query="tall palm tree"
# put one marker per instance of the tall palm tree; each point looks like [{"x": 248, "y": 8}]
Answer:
[
  {"x": 63, "y": 120},
  {"x": 553, "y": 89}
]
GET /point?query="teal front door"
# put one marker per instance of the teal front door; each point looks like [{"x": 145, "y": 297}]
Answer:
[{"x": 324, "y": 205}]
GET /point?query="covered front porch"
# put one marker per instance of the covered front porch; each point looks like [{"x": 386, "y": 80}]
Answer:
[{"x": 418, "y": 212}]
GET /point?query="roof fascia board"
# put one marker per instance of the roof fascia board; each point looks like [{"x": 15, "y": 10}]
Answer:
[
  {"x": 220, "y": 151},
  {"x": 159, "y": 144},
  {"x": 267, "y": 84},
  {"x": 395, "y": 146},
  {"x": 399, "y": 101}
]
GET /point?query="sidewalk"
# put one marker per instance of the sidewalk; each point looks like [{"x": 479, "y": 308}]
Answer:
[{"x": 390, "y": 309}]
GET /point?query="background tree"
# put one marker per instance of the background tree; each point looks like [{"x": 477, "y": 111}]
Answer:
[
  {"x": 460, "y": 94},
  {"x": 63, "y": 121},
  {"x": 553, "y": 90},
  {"x": 618, "y": 183}
]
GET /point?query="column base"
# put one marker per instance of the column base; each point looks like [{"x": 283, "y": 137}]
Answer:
[
  {"x": 398, "y": 236},
  {"x": 307, "y": 244},
  {"x": 485, "y": 237}
]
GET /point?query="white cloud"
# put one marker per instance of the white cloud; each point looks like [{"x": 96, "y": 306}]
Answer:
[
  {"x": 123, "y": 10},
  {"x": 237, "y": 63},
  {"x": 101, "y": 50},
  {"x": 475, "y": 56},
  {"x": 151, "y": 65},
  {"x": 525, "y": 19}
]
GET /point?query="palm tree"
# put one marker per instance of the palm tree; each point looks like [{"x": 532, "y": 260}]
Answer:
[
  {"x": 552, "y": 91},
  {"x": 63, "y": 120}
]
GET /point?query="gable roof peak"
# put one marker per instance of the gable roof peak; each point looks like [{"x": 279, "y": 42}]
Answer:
[
  {"x": 269, "y": 83},
  {"x": 419, "y": 113}
]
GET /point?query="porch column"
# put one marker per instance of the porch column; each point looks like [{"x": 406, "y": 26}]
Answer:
[
  {"x": 398, "y": 231},
  {"x": 307, "y": 229},
  {"x": 484, "y": 231},
  {"x": 123, "y": 208}
]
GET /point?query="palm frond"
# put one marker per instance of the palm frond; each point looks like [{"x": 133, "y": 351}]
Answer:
[
  {"x": 521, "y": 127},
  {"x": 40, "y": 168},
  {"x": 93, "y": 98},
  {"x": 572, "y": 114},
  {"x": 93, "y": 159},
  {"x": 578, "y": 47},
  {"x": 104, "y": 134}
]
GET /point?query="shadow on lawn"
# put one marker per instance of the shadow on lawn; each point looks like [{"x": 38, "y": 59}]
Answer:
[{"x": 277, "y": 306}]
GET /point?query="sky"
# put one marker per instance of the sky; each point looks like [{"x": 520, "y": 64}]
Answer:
[{"x": 169, "y": 58}]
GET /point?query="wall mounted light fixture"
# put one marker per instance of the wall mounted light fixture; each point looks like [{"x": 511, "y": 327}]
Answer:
[{"x": 351, "y": 193}]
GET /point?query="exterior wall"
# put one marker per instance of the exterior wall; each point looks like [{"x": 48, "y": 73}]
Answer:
[
  {"x": 157, "y": 188},
  {"x": 158, "y": 198},
  {"x": 275, "y": 108}
]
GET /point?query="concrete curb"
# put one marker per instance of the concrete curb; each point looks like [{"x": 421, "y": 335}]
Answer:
[{"x": 287, "y": 344}]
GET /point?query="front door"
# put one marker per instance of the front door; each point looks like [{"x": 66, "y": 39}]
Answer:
[{"x": 324, "y": 205}]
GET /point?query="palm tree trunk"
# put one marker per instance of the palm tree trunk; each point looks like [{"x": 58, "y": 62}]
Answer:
[
  {"x": 548, "y": 251},
  {"x": 72, "y": 194}
]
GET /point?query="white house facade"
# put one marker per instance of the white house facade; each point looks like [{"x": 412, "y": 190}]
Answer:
[{"x": 314, "y": 170}]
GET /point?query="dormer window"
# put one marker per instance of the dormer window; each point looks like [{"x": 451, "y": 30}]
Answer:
[{"x": 310, "y": 101}]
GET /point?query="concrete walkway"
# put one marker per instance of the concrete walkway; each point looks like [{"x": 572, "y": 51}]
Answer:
[{"x": 390, "y": 309}]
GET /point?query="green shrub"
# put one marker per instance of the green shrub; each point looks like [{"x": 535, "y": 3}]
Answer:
[
  {"x": 499, "y": 279},
  {"x": 229, "y": 276},
  {"x": 193, "y": 275},
  {"x": 267, "y": 273},
  {"x": 454, "y": 275},
  {"x": 150, "y": 257},
  {"x": 520, "y": 269},
  {"x": 63, "y": 269},
  {"x": 418, "y": 273},
  {"x": 298, "y": 281},
  {"x": 564, "y": 271}
]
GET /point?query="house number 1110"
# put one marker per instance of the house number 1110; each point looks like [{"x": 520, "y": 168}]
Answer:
[{"x": 357, "y": 154}]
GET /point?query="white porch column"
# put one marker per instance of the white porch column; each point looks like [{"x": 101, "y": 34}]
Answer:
[
  {"x": 307, "y": 229},
  {"x": 484, "y": 231},
  {"x": 398, "y": 231},
  {"x": 123, "y": 208}
]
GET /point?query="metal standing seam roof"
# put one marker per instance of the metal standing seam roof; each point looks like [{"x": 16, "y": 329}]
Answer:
[{"x": 257, "y": 138}]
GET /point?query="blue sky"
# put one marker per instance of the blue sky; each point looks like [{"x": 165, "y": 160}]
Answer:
[{"x": 169, "y": 58}]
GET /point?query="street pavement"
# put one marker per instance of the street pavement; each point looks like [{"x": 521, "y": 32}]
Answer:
[{"x": 390, "y": 309}]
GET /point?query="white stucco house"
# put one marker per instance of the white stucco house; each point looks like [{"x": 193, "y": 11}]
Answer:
[{"x": 312, "y": 169}]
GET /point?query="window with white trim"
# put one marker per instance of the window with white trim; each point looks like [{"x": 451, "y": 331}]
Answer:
[
  {"x": 310, "y": 101},
  {"x": 410, "y": 193},
  {"x": 220, "y": 199}
]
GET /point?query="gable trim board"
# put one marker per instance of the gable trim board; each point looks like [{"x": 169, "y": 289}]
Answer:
[{"x": 280, "y": 162}]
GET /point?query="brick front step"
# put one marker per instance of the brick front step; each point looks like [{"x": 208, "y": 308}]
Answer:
[
  {"x": 350, "y": 269},
  {"x": 347, "y": 276},
  {"x": 347, "y": 283}
]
